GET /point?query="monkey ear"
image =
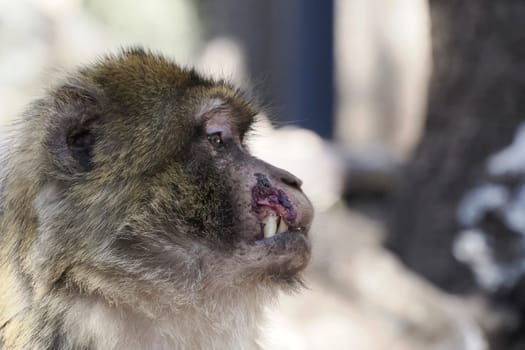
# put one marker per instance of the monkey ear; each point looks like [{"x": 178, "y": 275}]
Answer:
[{"x": 70, "y": 138}]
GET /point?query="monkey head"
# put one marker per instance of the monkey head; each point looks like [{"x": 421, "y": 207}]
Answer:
[{"x": 138, "y": 182}]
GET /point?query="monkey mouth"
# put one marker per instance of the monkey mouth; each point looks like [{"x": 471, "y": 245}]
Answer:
[
  {"x": 274, "y": 224},
  {"x": 274, "y": 210},
  {"x": 282, "y": 242}
]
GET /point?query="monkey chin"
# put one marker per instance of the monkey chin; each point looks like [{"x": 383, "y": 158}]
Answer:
[
  {"x": 278, "y": 260},
  {"x": 288, "y": 254}
]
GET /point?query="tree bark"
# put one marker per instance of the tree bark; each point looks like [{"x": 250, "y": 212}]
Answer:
[{"x": 476, "y": 105}]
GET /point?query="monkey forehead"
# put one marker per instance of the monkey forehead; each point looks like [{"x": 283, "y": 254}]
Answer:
[
  {"x": 227, "y": 106},
  {"x": 217, "y": 113},
  {"x": 208, "y": 107},
  {"x": 137, "y": 80}
]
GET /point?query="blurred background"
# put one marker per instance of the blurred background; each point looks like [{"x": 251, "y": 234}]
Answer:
[{"x": 395, "y": 166}]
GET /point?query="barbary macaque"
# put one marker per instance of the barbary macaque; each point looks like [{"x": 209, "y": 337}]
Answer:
[{"x": 132, "y": 215}]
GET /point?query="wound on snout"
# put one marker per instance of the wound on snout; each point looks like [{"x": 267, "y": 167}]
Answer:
[{"x": 267, "y": 198}]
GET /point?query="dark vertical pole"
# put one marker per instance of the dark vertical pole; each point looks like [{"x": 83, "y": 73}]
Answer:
[
  {"x": 289, "y": 49},
  {"x": 316, "y": 71},
  {"x": 302, "y": 59}
]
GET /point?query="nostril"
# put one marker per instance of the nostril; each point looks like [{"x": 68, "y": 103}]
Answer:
[{"x": 292, "y": 180}]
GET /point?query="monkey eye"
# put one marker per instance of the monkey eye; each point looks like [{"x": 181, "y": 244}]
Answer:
[{"x": 216, "y": 139}]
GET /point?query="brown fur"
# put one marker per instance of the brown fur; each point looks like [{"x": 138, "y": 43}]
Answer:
[{"x": 123, "y": 227}]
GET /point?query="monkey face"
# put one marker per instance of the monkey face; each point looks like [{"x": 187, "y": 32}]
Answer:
[
  {"x": 239, "y": 216},
  {"x": 242, "y": 214},
  {"x": 143, "y": 180},
  {"x": 272, "y": 215}
]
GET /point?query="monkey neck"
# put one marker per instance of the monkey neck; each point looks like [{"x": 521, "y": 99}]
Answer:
[
  {"x": 65, "y": 320},
  {"x": 224, "y": 322}
]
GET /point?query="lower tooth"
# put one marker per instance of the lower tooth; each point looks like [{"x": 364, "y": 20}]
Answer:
[{"x": 270, "y": 226}]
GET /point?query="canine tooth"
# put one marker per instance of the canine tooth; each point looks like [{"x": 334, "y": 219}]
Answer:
[
  {"x": 283, "y": 227},
  {"x": 270, "y": 226}
]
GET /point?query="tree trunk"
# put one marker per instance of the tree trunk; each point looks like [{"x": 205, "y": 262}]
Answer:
[{"x": 457, "y": 217}]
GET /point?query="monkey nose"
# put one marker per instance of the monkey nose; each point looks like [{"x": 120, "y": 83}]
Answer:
[
  {"x": 278, "y": 175},
  {"x": 290, "y": 179}
]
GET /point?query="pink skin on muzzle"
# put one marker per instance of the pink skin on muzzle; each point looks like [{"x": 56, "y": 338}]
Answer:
[{"x": 268, "y": 200}]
